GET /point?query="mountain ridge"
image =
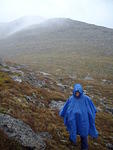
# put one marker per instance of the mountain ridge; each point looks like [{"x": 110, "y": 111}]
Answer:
[
  {"x": 62, "y": 44},
  {"x": 62, "y": 32}
]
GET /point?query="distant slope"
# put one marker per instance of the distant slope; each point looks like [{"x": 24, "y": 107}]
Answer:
[
  {"x": 60, "y": 34},
  {"x": 18, "y": 24}
]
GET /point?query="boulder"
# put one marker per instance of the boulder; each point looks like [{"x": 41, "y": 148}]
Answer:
[{"x": 21, "y": 132}]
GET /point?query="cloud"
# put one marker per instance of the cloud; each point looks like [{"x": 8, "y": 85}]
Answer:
[{"x": 92, "y": 11}]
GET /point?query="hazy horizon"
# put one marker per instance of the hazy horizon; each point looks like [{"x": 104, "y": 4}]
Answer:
[{"x": 98, "y": 12}]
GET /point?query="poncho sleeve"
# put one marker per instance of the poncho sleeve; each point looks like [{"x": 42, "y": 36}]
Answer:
[
  {"x": 93, "y": 109},
  {"x": 92, "y": 113},
  {"x": 64, "y": 108}
]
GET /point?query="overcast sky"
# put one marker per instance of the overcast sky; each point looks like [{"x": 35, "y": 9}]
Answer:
[{"x": 99, "y": 12}]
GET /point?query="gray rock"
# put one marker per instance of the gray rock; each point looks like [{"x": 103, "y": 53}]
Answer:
[
  {"x": 16, "y": 78},
  {"x": 109, "y": 146},
  {"x": 44, "y": 73},
  {"x": 34, "y": 95},
  {"x": 15, "y": 70},
  {"x": 109, "y": 109},
  {"x": 5, "y": 70},
  {"x": 73, "y": 77},
  {"x": 21, "y": 66},
  {"x": 88, "y": 78},
  {"x": 99, "y": 109},
  {"x": 34, "y": 100},
  {"x": 104, "y": 81},
  {"x": 21, "y": 132},
  {"x": 45, "y": 135},
  {"x": 56, "y": 104},
  {"x": 10, "y": 69},
  {"x": 28, "y": 98},
  {"x": 96, "y": 144},
  {"x": 40, "y": 104},
  {"x": 32, "y": 79},
  {"x": 62, "y": 86}
]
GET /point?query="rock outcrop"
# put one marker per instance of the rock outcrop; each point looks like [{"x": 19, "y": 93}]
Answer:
[
  {"x": 56, "y": 104},
  {"x": 21, "y": 132}
]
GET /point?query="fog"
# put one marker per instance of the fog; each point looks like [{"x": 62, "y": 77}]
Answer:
[{"x": 97, "y": 12}]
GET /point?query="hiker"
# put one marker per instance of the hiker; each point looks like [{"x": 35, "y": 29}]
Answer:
[{"x": 79, "y": 116}]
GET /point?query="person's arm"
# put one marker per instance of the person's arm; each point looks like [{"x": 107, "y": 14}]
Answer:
[
  {"x": 92, "y": 106},
  {"x": 92, "y": 113},
  {"x": 64, "y": 108}
]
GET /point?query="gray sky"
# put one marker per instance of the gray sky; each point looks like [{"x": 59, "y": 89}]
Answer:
[{"x": 99, "y": 12}]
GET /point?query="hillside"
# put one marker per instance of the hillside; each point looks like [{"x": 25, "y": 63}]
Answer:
[
  {"x": 42, "y": 63},
  {"x": 29, "y": 106},
  {"x": 63, "y": 46},
  {"x": 60, "y": 35}
]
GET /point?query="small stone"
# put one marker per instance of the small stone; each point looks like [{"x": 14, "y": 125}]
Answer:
[
  {"x": 109, "y": 109},
  {"x": 95, "y": 143},
  {"x": 88, "y": 78},
  {"x": 62, "y": 86},
  {"x": 5, "y": 70},
  {"x": 56, "y": 104},
  {"x": 28, "y": 98},
  {"x": 99, "y": 109},
  {"x": 109, "y": 146},
  {"x": 45, "y": 135},
  {"x": 16, "y": 78}
]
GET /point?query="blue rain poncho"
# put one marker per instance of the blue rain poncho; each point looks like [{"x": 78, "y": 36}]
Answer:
[{"x": 79, "y": 115}]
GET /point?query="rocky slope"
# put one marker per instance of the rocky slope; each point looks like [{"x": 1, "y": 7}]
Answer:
[
  {"x": 29, "y": 106},
  {"x": 63, "y": 47}
]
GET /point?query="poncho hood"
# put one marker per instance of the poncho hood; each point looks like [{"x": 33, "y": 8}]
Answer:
[{"x": 77, "y": 87}]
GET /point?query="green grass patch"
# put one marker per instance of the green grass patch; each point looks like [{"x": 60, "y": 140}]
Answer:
[{"x": 4, "y": 78}]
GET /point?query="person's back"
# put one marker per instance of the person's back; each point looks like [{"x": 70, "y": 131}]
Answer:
[{"x": 79, "y": 116}]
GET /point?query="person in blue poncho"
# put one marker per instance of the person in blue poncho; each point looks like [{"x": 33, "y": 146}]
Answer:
[{"x": 79, "y": 116}]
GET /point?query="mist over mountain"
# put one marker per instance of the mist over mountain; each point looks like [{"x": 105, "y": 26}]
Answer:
[
  {"x": 9, "y": 28},
  {"x": 56, "y": 34}
]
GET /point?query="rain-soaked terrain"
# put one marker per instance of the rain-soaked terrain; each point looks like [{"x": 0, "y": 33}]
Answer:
[{"x": 31, "y": 99}]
